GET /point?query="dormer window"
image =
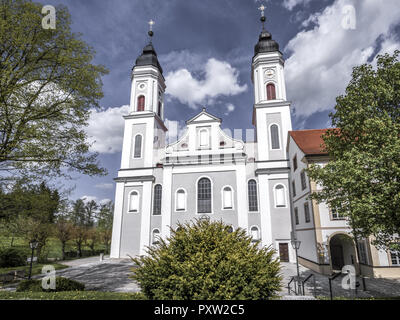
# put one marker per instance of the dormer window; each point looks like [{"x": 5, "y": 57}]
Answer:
[
  {"x": 222, "y": 144},
  {"x": 271, "y": 91}
]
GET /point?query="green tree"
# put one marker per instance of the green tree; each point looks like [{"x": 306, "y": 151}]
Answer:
[
  {"x": 362, "y": 179},
  {"x": 104, "y": 224},
  {"x": 29, "y": 211},
  {"x": 47, "y": 87},
  {"x": 79, "y": 222},
  {"x": 63, "y": 231},
  {"x": 205, "y": 261}
]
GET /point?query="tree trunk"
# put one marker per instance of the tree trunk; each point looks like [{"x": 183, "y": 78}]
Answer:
[{"x": 63, "y": 250}]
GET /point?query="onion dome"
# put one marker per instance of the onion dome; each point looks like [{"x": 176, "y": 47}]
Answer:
[
  {"x": 265, "y": 43},
  {"x": 148, "y": 57}
]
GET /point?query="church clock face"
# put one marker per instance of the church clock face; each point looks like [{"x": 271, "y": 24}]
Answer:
[{"x": 270, "y": 73}]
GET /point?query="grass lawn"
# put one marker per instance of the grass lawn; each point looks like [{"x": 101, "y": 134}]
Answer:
[
  {"x": 36, "y": 268},
  {"x": 70, "y": 295}
]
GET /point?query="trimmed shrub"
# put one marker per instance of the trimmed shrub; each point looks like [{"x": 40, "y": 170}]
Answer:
[
  {"x": 62, "y": 284},
  {"x": 207, "y": 261},
  {"x": 12, "y": 257}
]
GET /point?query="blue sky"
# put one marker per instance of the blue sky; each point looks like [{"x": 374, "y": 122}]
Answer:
[{"x": 321, "y": 41}]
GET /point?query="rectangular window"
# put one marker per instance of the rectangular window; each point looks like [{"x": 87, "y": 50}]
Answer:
[
  {"x": 395, "y": 257},
  {"x": 295, "y": 163},
  {"x": 303, "y": 180},
  {"x": 363, "y": 252},
  {"x": 307, "y": 212},
  {"x": 296, "y": 215},
  {"x": 294, "y": 188},
  {"x": 221, "y": 158}
]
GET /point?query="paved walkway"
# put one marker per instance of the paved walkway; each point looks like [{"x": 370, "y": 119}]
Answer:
[
  {"x": 377, "y": 287},
  {"x": 113, "y": 275}
]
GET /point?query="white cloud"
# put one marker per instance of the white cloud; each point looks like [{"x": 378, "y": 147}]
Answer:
[
  {"x": 322, "y": 58},
  {"x": 106, "y": 129},
  {"x": 105, "y": 186},
  {"x": 220, "y": 78},
  {"x": 87, "y": 199},
  {"x": 290, "y": 4},
  {"x": 175, "y": 129},
  {"x": 229, "y": 108}
]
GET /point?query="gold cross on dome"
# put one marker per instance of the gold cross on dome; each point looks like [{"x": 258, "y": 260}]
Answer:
[
  {"x": 151, "y": 23},
  {"x": 262, "y": 9}
]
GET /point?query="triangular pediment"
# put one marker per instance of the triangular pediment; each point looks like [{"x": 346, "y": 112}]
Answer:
[{"x": 202, "y": 117}]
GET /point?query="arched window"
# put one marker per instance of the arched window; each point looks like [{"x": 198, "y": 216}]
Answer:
[
  {"x": 134, "y": 202},
  {"x": 230, "y": 229},
  {"x": 204, "y": 138},
  {"x": 271, "y": 92},
  {"x": 180, "y": 200},
  {"x": 280, "y": 196},
  {"x": 140, "y": 103},
  {"x": 227, "y": 198},
  {"x": 137, "y": 153},
  {"x": 155, "y": 236},
  {"x": 274, "y": 130},
  {"x": 204, "y": 196},
  {"x": 157, "y": 199},
  {"x": 255, "y": 234},
  {"x": 159, "y": 109},
  {"x": 252, "y": 191}
]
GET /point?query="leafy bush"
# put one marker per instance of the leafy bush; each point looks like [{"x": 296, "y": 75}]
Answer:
[
  {"x": 62, "y": 284},
  {"x": 205, "y": 261},
  {"x": 12, "y": 257}
]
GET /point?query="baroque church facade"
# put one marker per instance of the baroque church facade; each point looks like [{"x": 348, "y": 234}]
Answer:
[
  {"x": 259, "y": 185},
  {"x": 206, "y": 173}
]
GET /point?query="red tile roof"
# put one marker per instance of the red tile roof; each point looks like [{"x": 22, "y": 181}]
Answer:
[{"x": 309, "y": 141}]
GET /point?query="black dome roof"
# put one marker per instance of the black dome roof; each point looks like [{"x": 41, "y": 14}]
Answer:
[
  {"x": 265, "y": 43},
  {"x": 148, "y": 57}
]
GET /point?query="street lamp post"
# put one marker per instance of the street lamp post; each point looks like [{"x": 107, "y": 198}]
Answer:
[
  {"x": 33, "y": 244},
  {"x": 296, "y": 245}
]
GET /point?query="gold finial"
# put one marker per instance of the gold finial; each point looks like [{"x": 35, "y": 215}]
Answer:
[{"x": 262, "y": 9}]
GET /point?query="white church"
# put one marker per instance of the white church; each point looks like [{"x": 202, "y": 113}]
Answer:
[{"x": 248, "y": 184}]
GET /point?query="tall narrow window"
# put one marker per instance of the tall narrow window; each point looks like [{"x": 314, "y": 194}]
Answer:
[
  {"x": 155, "y": 236},
  {"x": 271, "y": 92},
  {"x": 307, "y": 212},
  {"x": 204, "y": 196},
  {"x": 227, "y": 198},
  {"x": 363, "y": 252},
  {"x": 157, "y": 199},
  {"x": 295, "y": 163},
  {"x": 134, "y": 202},
  {"x": 138, "y": 146},
  {"x": 159, "y": 109},
  {"x": 204, "y": 139},
  {"x": 255, "y": 234},
  {"x": 275, "y": 137},
  {"x": 252, "y": 191},
  {"x": 140, "y": 103},
  {"x": 296, "y": 215},
  {"x": 294, "y": 188},
  {"x": 280, "y": 196},
  {"x": 303, "y": 180},
  {"x": 180, "y": 200}
]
